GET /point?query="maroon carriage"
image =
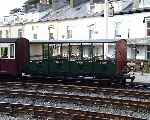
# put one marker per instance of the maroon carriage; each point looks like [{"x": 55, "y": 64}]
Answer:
[{"x": 13, "y": 55}]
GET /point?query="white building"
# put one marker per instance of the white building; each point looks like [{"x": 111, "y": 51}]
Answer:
[{"x": 131, "y": 21}]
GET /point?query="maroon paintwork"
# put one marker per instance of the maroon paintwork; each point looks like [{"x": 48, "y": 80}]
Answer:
[
  {"x": 13, "y": 67},
  {"x": 8, "y": 66},
  {"x": 22, "y": 53},
  {"x": 121, "y": 56}
]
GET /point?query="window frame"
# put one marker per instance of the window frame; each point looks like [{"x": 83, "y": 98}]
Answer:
[
  {"x": 148, "y": 27},
  {"x": 69, "y": 32},
  {"x": 20, "y": 33},
  {"x": 35, "y": 36},
  {"x": 13, "y": 51},
  {"x": 7, "y": 33},
  {"x": 7, "y": 45},
  {"x": 148, "y": 52},
  {"x": 1, "y": 33}
]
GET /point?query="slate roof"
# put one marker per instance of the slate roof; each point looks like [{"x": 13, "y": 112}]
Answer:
[{"x": 67, "y": 12}]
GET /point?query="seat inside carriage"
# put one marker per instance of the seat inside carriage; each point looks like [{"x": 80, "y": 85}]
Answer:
[{"x": 73, "y": 58}]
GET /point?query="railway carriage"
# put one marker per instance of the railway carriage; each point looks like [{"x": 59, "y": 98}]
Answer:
[
  {"x": 97, "y": 58},
  {"x": 13, "y": 56},
  {"x": 78, "y": 58}
]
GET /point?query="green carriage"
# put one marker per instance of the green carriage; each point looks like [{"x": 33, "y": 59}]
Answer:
[{"x": 97, "y": 58}]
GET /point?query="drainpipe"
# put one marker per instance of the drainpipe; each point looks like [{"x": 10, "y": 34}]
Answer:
[{"x": 106, "y": 28}]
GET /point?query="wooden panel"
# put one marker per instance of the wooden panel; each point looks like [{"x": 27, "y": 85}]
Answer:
[
  {"x": 121, "y": 55},
  {"x": 8, "y": 67},
  {"x": 22, "y": 53}
]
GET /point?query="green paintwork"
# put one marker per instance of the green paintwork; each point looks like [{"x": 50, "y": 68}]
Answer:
[
  {"x": 54, "y": 65},
  {"x": 37, "y": 67},
  {"x": 60, "y": 67}
]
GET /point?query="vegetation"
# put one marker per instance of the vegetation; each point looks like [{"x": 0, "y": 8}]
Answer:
[
  {"x": 15, "y": 10},
  {"x": 50, "y": 3},
  {"x": 31, "y": 2}
]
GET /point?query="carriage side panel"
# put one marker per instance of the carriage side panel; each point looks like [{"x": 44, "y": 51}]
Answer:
[
  {"x": 22, "y": 53},
  {"x": 121, "y": 56}
]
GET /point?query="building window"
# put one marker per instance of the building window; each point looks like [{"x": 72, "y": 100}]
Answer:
[
  {"x": 148, "y": 52},
  {"x": 90, "y": 34},
  {"x": 148, "y": 28},
  {"x": 7, "y": 34},
  {"x": 51, "y": 36},
  {"x": 32, "y": 27},
  {"x": 4, "y": 19},
  {"x": 19, "y": 33},
  {"x": 117, "y": 27},
  {"x": 34, "y": 36},
  {"x": 50, "y": 32},
  {"x": 69, "y": 32},
  {"x": 91, "y": 31},
  {"x": 0, "y": 34}
]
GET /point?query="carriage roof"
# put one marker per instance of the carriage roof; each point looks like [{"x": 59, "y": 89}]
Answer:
[
  {"x": 10, "y": 40},
  {"x": 13, "y": 40},
  {"x": 74, "y": 41}
]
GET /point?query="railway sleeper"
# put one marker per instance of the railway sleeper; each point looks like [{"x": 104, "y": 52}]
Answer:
[{"x": 64, "y": 113}]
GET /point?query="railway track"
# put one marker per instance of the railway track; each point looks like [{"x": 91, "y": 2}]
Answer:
[
  {"x": 50, "y": 113},
  {"x": 145, "y": 104},
  {"x": 127, "y": 94},
  {"x": 118, "y": 102}
]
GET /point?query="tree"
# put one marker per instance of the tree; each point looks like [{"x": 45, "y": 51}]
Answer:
[
  {"x": 15, "y": 10},
  {"x": 31, "y": 2}
]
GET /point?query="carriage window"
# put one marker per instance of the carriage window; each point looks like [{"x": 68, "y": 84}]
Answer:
[
  {"x": 55, "y": 50},
  {"x": 36, "y": 52},
  {"x": 75, "y": 51},
  {"x": 87, "y": 51},
  {"x": 45, "y": 51},
  {"x": 4, "y": 52},
  {"x": 12, "y": 51},
  {"x": 98, "y": 51},
  {"x": 111, "y": 51},
  {"x": 7, "y": 50},
  {"x": 66, "y": 51}
]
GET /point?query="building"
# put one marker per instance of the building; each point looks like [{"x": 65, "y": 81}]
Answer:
[{"x": 127, "y": 20}]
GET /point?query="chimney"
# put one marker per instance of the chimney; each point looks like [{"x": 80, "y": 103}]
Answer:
[
  {"x": 56, "y": 4},
  {"x": 111, "y": 10},
  {"x": 91, "y": 1},
  {"x": 74, "y": 3}
]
